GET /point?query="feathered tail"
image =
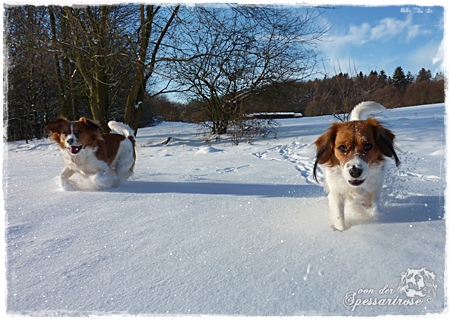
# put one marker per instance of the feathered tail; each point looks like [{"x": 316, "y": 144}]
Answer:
[
  {"x": 362, "y": 110},
  {"x": 121, "y": 128}
]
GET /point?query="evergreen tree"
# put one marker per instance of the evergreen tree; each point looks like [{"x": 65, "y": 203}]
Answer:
[
  {"x": 439, "y": 76},
  {"x": 399, "y": 78},
  {"x": 409, "y": 78},
  {"x": 424, "y": 75}
]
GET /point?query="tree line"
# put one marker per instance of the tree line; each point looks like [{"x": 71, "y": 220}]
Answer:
[
  {"x": 122, "y": 62},
  {"x": 333, "y": 95},
  {"x": 340, "y": 93}
]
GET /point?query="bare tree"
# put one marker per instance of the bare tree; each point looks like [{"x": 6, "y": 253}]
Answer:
[
  {"x": 147, "y": 57},
  {"x": 239, "y": 49},
  {"x": 344, "y": 84},
  {"x": 70, "y": 85},
  {"x": 93, "y": 54},
  {"x": 114, "y": 49},
  {"x": 29, "y": 92},
  {"x": 353, "y": 87}
]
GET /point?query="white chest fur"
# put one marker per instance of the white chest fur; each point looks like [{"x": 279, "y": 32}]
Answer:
[{"x": 84, "y": 162}]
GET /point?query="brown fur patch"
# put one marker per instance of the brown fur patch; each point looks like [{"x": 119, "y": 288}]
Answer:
[
  {"x": 367, "y": 139},
  {"x": 108, "y": 146},
  {"x": 357, "y": 139}
]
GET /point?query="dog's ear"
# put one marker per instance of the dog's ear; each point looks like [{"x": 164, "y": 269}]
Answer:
[
  {"x": 56, "y": 126},
  {"x": 385, "y": 141},
  {"x": 325, "y": 147},
  {"x": 91, "y": 124}
]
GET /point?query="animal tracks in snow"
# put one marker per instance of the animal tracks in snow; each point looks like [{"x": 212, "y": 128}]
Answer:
[
  {"x": 299, "y": 154},
  {"x": 309, "y": 272},
  {"x": 231, "y": 169},
  {"x": 409, "y": 179}
]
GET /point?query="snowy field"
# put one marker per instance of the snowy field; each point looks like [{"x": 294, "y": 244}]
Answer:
[{"x": 226, "y": 230}]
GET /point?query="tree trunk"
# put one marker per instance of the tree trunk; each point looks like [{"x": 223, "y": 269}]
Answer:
[
  {"x": 147, "y": 14},
  {"x": 134, "y": 104},
  {"x": 94, "y": 70},
  {"x": 59, "y": 80}
]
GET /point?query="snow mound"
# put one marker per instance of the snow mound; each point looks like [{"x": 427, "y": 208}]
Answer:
[{"x": 208, "y": 150}]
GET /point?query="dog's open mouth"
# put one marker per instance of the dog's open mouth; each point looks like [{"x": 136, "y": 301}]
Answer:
[
  {"x": 356, "y": 182},
  {"x": 75, "y": 149}
]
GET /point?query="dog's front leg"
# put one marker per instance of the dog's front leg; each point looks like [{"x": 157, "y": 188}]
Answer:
[
  {"x": 336, "y": 203},
  {"x": 64, "y": 179},
  {"x": 103, "y": 179},
  {"x": 374, "y": 210},
  {"x": 66, "y": 174}
]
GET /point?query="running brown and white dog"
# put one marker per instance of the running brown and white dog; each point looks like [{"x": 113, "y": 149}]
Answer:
[
  {"x": 353, "y": 154},
  {"x": 104, "y": 158}
]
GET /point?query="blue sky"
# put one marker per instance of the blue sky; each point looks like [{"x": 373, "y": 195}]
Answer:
[{"x": 366, "y": 38}]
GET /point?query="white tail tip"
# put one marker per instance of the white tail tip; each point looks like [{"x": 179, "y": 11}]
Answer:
[
  {"x": 364, "y": 109},
  {"x": 121, "y": 128}
]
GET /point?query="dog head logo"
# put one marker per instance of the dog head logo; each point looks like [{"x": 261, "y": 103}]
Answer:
[{"x": 417, "y": 283}]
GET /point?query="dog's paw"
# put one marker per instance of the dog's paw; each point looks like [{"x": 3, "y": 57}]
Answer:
[
  {"x": 65, "y": 184},
  {"x": 101, "y": 181},
  {"x": 338, "y": 226},
  {"x": 376, "y": 213},
  {"x": 116, "y": 183}
]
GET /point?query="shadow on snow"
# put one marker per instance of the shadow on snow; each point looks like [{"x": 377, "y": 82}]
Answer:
[
  {"x": 413, "y": 209},
  {"x": 215, "y": 188},
  {"x": 408, "y": 210}
]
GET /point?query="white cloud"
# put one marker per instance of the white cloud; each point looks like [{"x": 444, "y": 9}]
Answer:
[
  {"x": 385, "y": 29},
  {"x": 427, "y": 56},
  {"x": 390, "y": 27},
  {"x": 414, "y": 31},
  {"x": 438, "y": 59},
  {"x": 357, "y": 35}
]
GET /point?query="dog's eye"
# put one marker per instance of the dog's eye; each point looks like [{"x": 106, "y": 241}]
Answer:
[
  {"x": 367, "y": 147},
  {"x": 64, "y": 133},
  {"x": 77, "y": 132},
  {"x": 342, "y": 149}
]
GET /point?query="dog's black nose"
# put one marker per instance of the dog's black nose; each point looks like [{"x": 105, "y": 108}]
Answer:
[
  {"x": 355, "y": 172},
  {"x": 70, "y": 141}
]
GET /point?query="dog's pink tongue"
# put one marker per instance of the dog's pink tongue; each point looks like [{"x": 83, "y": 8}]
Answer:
[
  {"x": 356, "y": 182},
  {"x": 74, "y": 149}
]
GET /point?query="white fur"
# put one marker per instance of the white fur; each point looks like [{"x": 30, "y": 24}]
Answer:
[
  {"x": 124, "y": 160},
  {"x": 355, "y": 200},
  {"x": 125, "y": 157},
  {"x": 362, "y": 110},
  {"x": 121, "y": 128}
]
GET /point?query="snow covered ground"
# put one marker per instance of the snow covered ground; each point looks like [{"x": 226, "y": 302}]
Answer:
[{"x": 226, "y": 230}]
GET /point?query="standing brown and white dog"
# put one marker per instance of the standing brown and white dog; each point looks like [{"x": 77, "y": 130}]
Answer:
[
  {"x": 354, "y": 153},
  {"x": 104, "y": 158}
]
